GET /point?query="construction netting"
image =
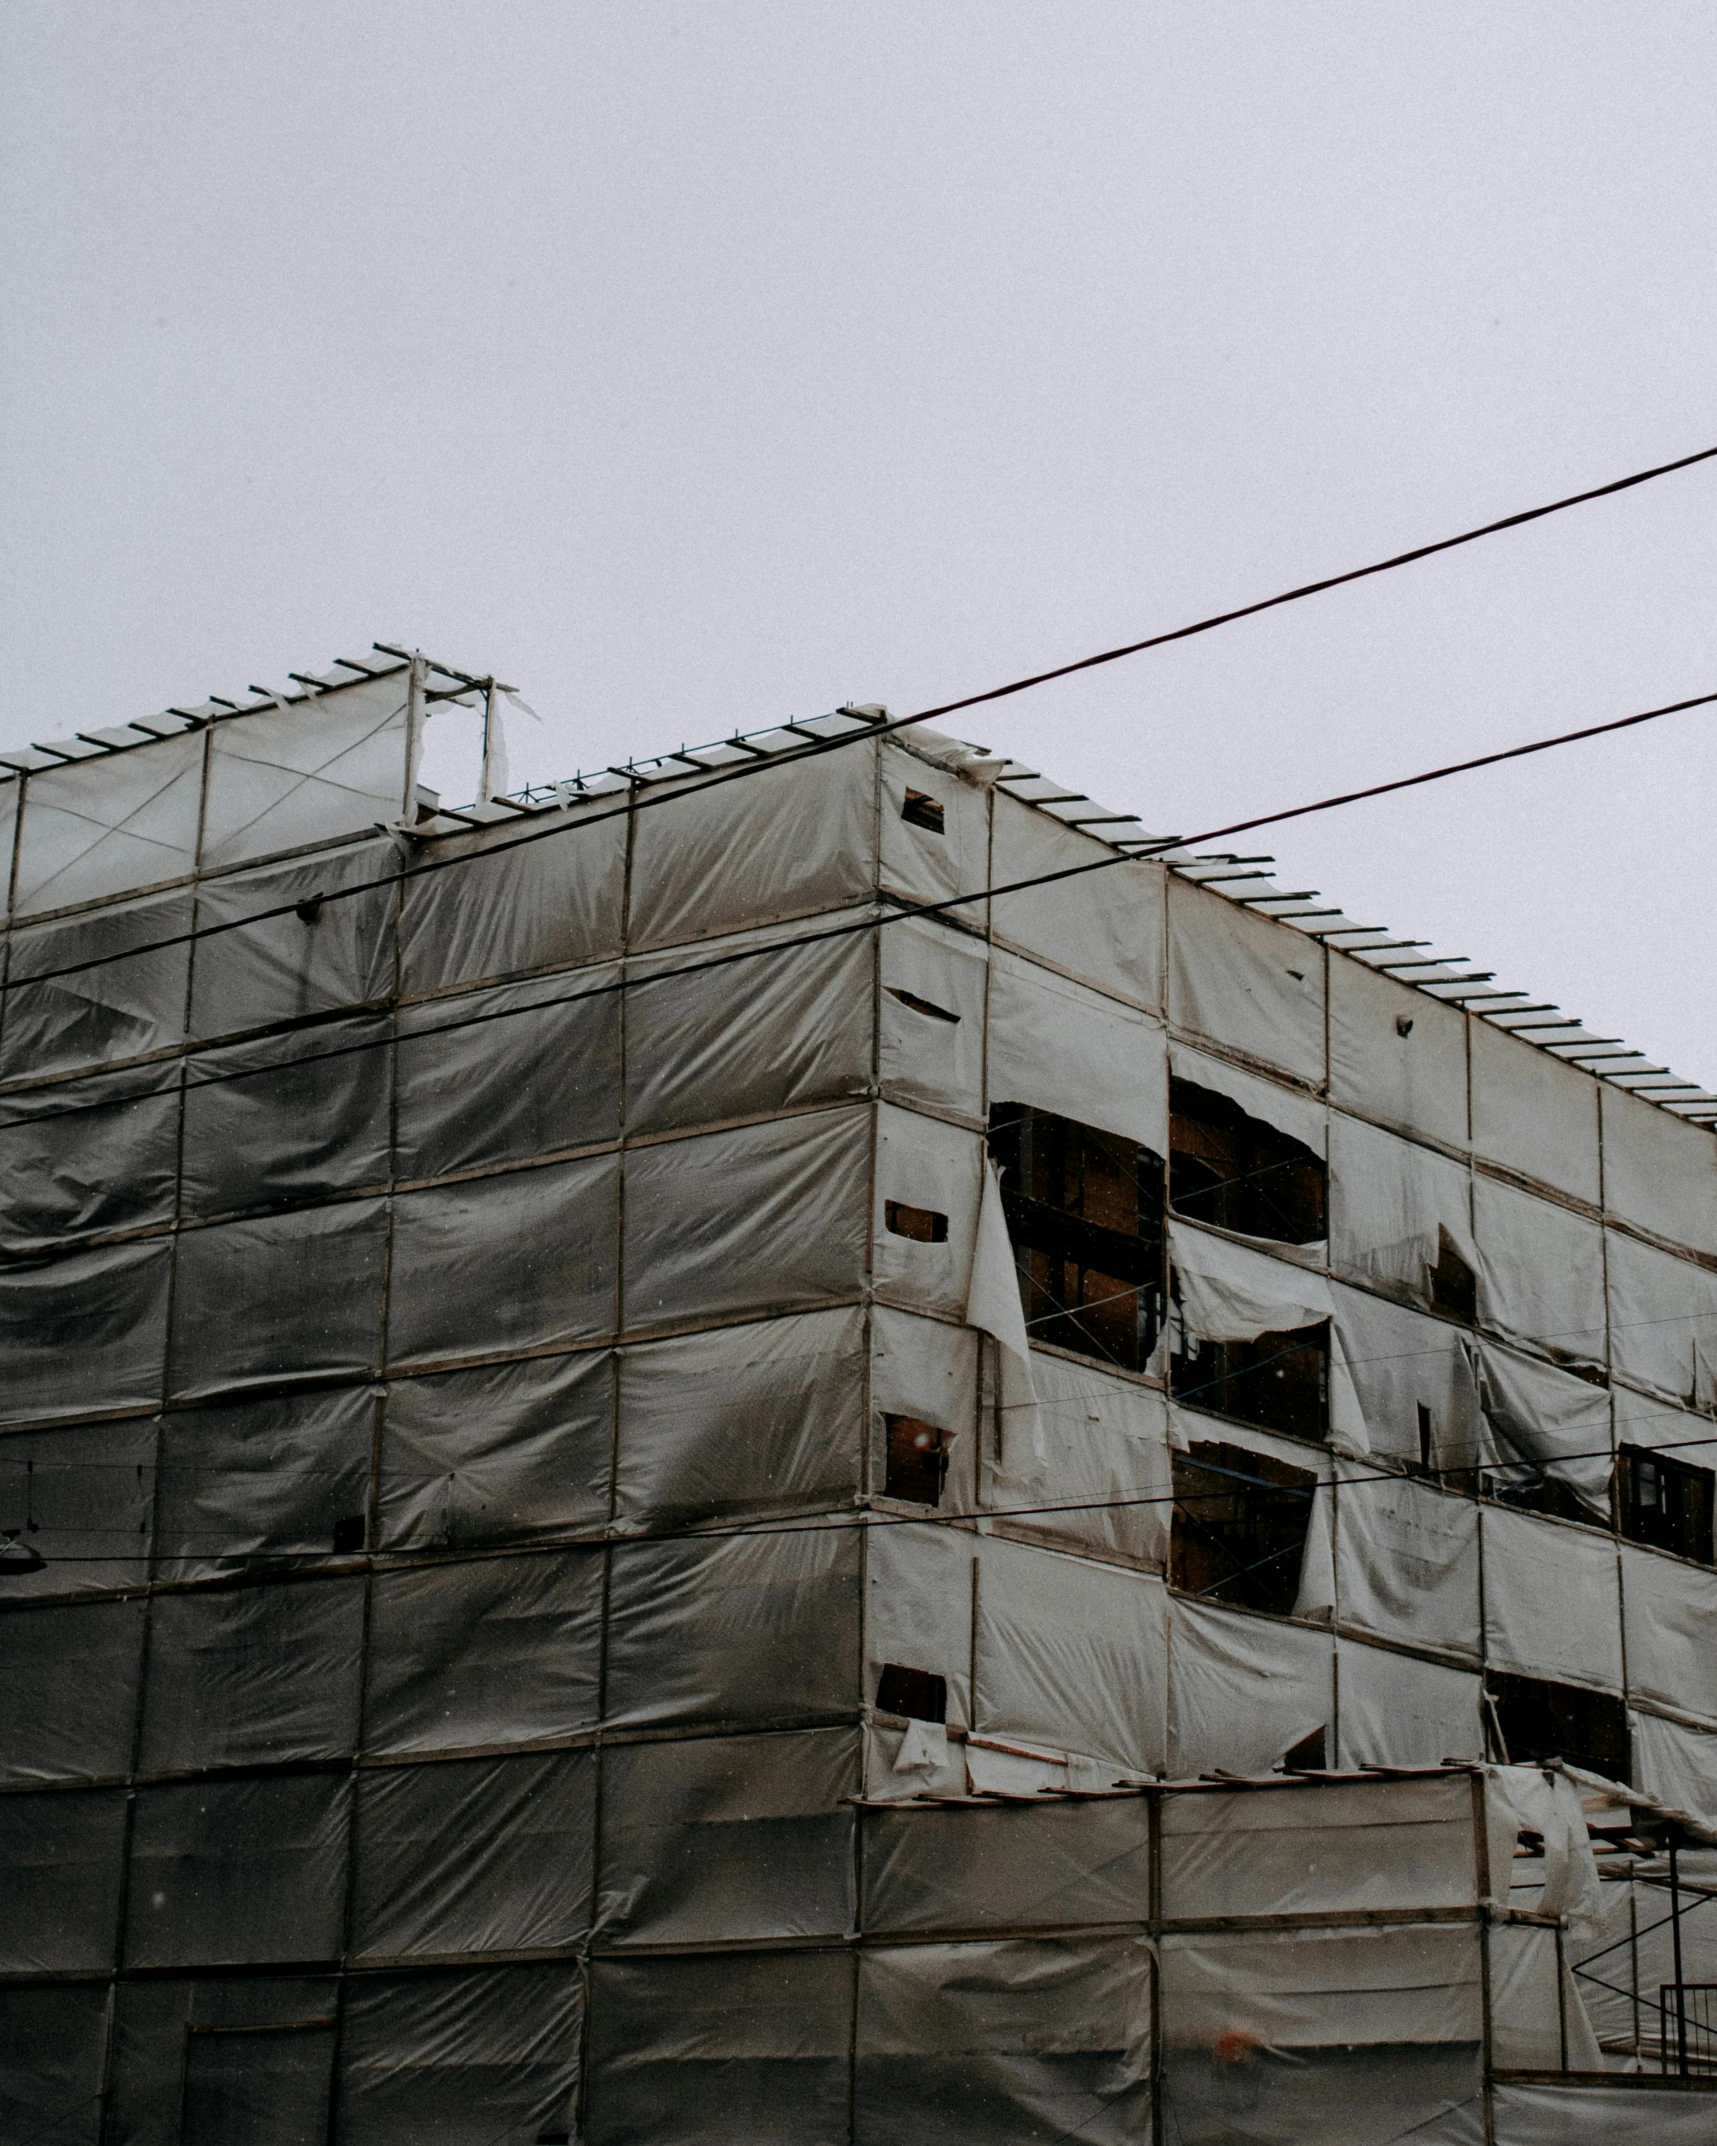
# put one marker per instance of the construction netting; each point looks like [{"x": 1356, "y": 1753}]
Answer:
[{"x": 559, "y": 1369}]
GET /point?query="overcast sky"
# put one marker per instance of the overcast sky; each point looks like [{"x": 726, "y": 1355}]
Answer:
[{"x": 697, "y": 365}]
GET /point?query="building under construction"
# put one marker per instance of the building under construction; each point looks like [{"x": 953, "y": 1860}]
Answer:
[{"x": 776, "y": 1449}]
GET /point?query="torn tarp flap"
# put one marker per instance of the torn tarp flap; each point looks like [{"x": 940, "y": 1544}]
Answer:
[
  {"x": 1291, "y": 1111},
  {"x": 1229, "y": 1292},
  {"x": 993, "y": 1305},
  {"x": 1060, "y": 1046},
  {"x": 1557, "y": 1423},
  {"x": 1533, "y": 1799}
]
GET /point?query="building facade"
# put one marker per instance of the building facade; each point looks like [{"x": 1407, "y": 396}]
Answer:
[{"x": 641, "y": 1424}]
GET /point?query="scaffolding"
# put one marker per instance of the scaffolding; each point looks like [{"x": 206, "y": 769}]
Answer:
[{"x": 670, "y": 1472}]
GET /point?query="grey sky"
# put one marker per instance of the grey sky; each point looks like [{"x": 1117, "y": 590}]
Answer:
[{"x": 697, "y": 365}]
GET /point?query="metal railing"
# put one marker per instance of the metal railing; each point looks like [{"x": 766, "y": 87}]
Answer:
[{"x": 1687, "y": 2028}]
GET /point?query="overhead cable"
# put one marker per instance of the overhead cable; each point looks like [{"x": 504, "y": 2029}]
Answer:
[{"x": 820, "y": 746}]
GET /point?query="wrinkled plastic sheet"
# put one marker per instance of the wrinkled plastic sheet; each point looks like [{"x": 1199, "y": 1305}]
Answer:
[
  {"x": 1104, "y": 1483},
  {"x": 1552, "y": 1604},
  {"x": 537, "y": 1069},
  {"x": 82, "y": 1499},
  {"x": 300, "y": 1117},
  {"x": 53, "y": 2046},
  {"x": 254, "y": 1675},
  {"x": 1675, "y": 1762},
  {"x": 104, "y": 1309},
  {"x": 61, "y": 1858},
  {"x": 1338, "y": 1848},
  {"x": 496, "y": 1454},
  {"x": 1533, "y": 1113},
  {"x": 918, "y": 1606},
  {"x": 1593, "y": 2115},
  {"x": 470, "y": 2058},
  {"x": 1010, "y": 2039},
  {"x": 706, "y": 1839},
  {"x": 1070, "y": 1653},
  {"x": 1289, "y": 1110},
  {"x": 1242, "y": 980},
  {"x": 1557, "y": 1422},
  {"x": 94, "y": 831},
  {"x": 69, "y": 1680},
  {"x": 122, "y": 1009},
  {"x": 1531, "y": 1799},
  {"x": 1669, "y": 1612},
  {"x": 1401, "y": 1710},
  {"x": 543, "y": 1241},
  {"x": 1660, "y": 1172},
  {"x": 232, "y": 1871},
  {"x": 929, "y": 973},
  {"x": 1105, "y": 928},
  {"x": 789, "y": 1024},
  {"x": 1242, "y": 1689},
  {"x": 1407, "y": 1561},
  {"x": 925, "y": 1162},
  {"x": 766, "y": 1417},
  {"x": 480, "y": 1651},
  {"x": 745, "y": 1628},
  {"x": 502, "y": 907},
  {"x": 261, "y": 1481},
  {"x": 98, "y": 1154},
  {"x": 1060, "y": 1046},
  {"x": 313, "y": 959},
  {"x": 742, "y": 2049},
  {"x": 925, "y": 864},
  {"x": 474, "y": 1855},
  {"x": 1540, "y": 1271},
  {"x": 1417, "y": 1079},
  {"x": 1011, "y": 1867},
  {"x": 1392, "y": 1203},
  {"x": 785, "y": 841},
  {"x": 1526, "y": 2021},
  {"x": 1663, "y": 1322},
  {"x": 761, "y": 1218},
  {"x": 299, "y": 774},
  {"x": 1401, "y": 1361},
  {"x": 239, "y": 2081},
  {"x": 1348, "y": 2037},
  {"x": 276, "y": 1296}
]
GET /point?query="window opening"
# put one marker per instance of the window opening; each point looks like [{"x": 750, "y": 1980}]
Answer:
[
  {"x": 1427, "y": 1438},
  {"x": 1665, "y": 1502},
  {"x": 922, "y": 1224},
  {"x": 923, "y": 1005},
  {"x": 917, "y": 1460},
  {"x": 1453, "y": 1286},
  {"x": 1084, "y": 1211},
  {"x": 349, "y": 1535},
  {"x": 923, "y": 810},
  {"x": 1532, "y": 1489},
  {"x": 1239, "y": 1173},
  {"x": 1278, "y": 1382},
  {"x": 1239, "y": 1525},
  {"x": 917, "y": 1693},
  {"x": 1310, "y": 1754},
  {"x": 1540, "y": 1721}
]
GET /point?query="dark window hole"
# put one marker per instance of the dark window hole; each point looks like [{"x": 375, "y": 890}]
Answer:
[
  {"x": 348, "y": 1535},
  {"x": 922, "y": 1224},
  {"x": 1238, "y": 1172},
  {"x": 923, "y": 810},
  {"x": 917, "y": 1460},
  {"x": 922, "y": 1005},
  {"x": 919, "y": 1694}
]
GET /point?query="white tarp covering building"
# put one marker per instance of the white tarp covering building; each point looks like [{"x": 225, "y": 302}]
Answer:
[{"x": 655, "y": 1453}]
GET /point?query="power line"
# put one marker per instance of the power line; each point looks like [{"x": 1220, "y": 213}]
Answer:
[
  {"x": 864, "y": 924},
  {"x": 925, "y": 715}
]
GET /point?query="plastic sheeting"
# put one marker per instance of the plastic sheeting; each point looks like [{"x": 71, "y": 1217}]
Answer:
[
  {"x": 291, "y": 775},
  {"x": 1011, "y": 2039},
  {"x": 1660, "y": 1172},
  {"x": 1104, "y": 1483},
  {"x": 1558, "y": 1423},
  {"x": 1548, "y": 2115},
  {"x": 1663, "y": 1321},
  {"x": 1105, "y": 928},
  {"x": 1300, "y": 1116},
  {"x": 1400, "y": 1710},
  {"x": 1552, "y": 1604},
  {"x": 124, "y": 1008},
  {"x": 1668, "y": 1608},
  {"x": 53, "y": 2044},
  {"x": 310, "y": 960},
  {"x": 1243, "y": 1689},
  {"x": 1070, "y": 1654},
  {"x": 82, "y": 1500},
  {"x": 1540, "y": 1271},
  {"x": 1365, "y": 1847},
  {"x": 472, "y": 1856},
  {"x": 1407, "y": 1561},
  {"x": 1059, "y": 1046},
  {"x": 1392, "y": 1205},
  {"x": 1533, "y": 1113},
  {"x": 929, "y": 863},
  {"x": 1061, "y": 1864},
  {"x": 1246, "y": 981},
  {"x": 930, "y": 1032},
  {"x": 1396, "y": 1054},
  {"x": 720, "y": 1837},
  {"x": 87, "y": 835},
  {"x": 1675, "y": 1763},
  {"x": 69, "y": 1679},
  {"x": 1402, "y": 1362}
]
